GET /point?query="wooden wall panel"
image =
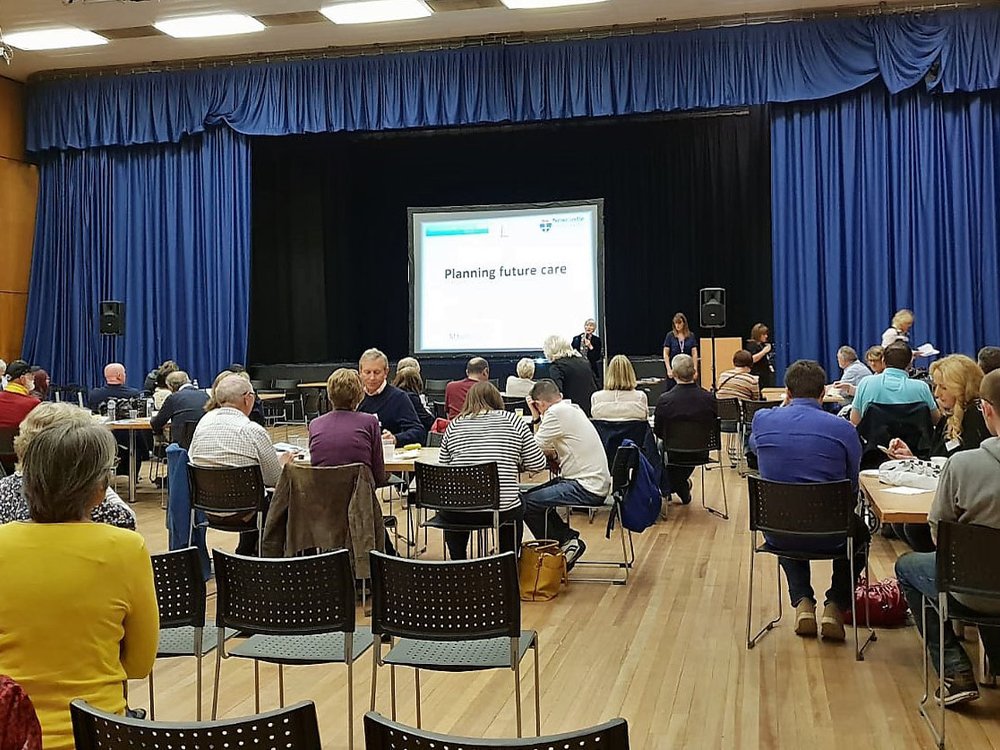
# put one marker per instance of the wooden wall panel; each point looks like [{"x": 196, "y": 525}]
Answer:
[
  {"x": 12, "y": 310},
  {"x": 11, "y": 119},
  {"x": 18, "y": 199}
]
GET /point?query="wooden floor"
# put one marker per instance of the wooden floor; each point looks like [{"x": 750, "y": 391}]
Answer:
[{"x": 667, "y": 652}]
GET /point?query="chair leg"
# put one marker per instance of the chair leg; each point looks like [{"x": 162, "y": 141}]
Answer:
[
  {"x": 152, "y": 705},
  {"x": 256, "y": 686},
  {"x": 392, "y": 689},
  {"x": 199, "y": 649},
  {"x": 538, "y": 706},
  {"x": 752, "y": 641},
  {"x": 416, "y": 692},
  {"x": 215, "y": 687},
  {"x": 938, "y": 736},
  {"x": 517, "y": 695},
  {"x": 281, "y": 685},
  {"x": 350, "y": 704},
  {"x": 376, "y": 648}
]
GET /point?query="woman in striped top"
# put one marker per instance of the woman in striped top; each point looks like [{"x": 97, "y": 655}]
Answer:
[{"x": 482, "y": 432}]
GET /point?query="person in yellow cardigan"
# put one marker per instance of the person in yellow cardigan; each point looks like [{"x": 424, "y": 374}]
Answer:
[{"x": 78, "y": 612}]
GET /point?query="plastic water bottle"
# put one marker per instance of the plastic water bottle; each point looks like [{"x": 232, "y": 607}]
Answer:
[
  {"x": 195, "y": 383},
  {"x": 111, "y": 409},
  {"x": 149, "y": 407}
]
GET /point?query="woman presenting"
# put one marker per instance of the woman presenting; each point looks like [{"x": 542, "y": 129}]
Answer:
[
  {"x": 589, "y": 345},
  {"x": 763, "y": 355},
  {"x": 680, "y": 340}
]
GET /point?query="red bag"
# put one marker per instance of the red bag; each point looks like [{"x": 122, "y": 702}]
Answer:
[
  {"x": 19, "y": 728},
  {"x": 887, "y": 606}
]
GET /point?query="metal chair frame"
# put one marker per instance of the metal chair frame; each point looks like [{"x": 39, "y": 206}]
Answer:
[
  {"x": 236, "y": 500},
  {"x": 458, "y": 489},
  {"x": 704, "y": 439},
  {"x": 295, "y": 726},
  {"x": 456, "y": 623},
  {"x": 750, "y": 408},
  {"x": 731, "y": 410},
  {"x": 836, "y": 503},
  {"x": 961, "y": 569},
  {"x": 383, "y": 734},
  {"x": 291, "y": 609},
  {"x": 180, "y": 596}
]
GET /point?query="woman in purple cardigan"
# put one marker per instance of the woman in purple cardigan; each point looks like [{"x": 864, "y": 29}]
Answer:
[{"x": 343, "y": 435}]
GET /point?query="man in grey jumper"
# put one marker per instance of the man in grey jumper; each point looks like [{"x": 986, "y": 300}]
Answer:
[{"x": 968, "y": 492}]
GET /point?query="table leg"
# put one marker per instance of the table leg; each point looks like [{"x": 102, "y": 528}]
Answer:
[{"x": 131, "y": 466}]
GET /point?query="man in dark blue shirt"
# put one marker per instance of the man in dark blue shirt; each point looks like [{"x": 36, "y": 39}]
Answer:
[{"x": 803, "y": 443}]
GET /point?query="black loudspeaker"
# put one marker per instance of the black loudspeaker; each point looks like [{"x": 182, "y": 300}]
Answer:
[
  {"x": 713, "y": 308},
  {"x": 112, "y": 318}
]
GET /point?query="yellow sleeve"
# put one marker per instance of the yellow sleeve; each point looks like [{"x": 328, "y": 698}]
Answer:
[{"x": 142, "y": 623}]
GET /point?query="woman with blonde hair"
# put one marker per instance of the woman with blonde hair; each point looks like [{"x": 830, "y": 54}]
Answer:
[
  {"x": 570, "y": 372},
  {"x": 408, "y": 380},
  {"x": 956, "y": 381},
  {"x": 483, "y": 432},
  {"x": 13, "y": 504},
  {"x": 680, "y": 340},
  {"x": 520, "y": 384},
  {"x": 899, "y": 329},
  {"x": 619, "y": 401}
]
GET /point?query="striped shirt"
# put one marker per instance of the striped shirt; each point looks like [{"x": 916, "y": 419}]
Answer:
[
  {"x": 226, "y": 437},
  {"x": 738, "y": 384},
  {"x": 499, "y": 436}
]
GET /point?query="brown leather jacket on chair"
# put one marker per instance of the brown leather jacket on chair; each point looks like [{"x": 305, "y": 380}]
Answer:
[{"x": 325, "y": 508}]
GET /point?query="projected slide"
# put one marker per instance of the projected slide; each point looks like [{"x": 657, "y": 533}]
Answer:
[{"x": 502, "y": 278}]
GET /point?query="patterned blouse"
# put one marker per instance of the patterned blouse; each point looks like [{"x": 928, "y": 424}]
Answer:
[{"x": 14, "y": 506}]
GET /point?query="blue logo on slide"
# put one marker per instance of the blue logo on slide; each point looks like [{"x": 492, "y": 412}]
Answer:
[{"x": 545, "y": 226}]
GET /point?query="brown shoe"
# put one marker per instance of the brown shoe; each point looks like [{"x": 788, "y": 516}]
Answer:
[
  {"x": 805, "y": 618},
  {"x": 832, "y": 624}
]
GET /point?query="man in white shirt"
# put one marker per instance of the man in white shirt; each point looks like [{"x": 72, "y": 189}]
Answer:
[
  {"x": 225, "y": 437},
  {"x": 566, "y": 435}
]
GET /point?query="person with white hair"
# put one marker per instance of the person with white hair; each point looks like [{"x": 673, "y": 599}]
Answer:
[
  {"x": 521, "y": 384},
  {"x": 570, "y": 372},
  {"x": 392, "y": 406},
  {"x": 3, "y": 374},
  {"x": 225, "y": 437},
  {"x": 590, "y": 347}
]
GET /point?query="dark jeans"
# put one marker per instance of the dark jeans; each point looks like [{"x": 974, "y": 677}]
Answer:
[
  {"x": 917, "y": 535},
  {"x": 540, "y": 508},
  {"x": 511, "y": 529},
  {"x": 799, "y": 575},
  {"x": 917, "y": 574}
]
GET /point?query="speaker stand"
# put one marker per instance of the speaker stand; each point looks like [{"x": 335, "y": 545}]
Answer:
[{"x": 714, "y": 381}]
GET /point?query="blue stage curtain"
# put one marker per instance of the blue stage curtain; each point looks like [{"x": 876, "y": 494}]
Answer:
[
  {"x": 881, "y": 202},
  {"x": 164, "y": 228},
  {"x": 755, "y": 64}
]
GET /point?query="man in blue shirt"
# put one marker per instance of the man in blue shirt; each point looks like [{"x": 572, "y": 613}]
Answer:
[
  {"x": 803, "y": 443},
  {"x": 893, "y": 385}
]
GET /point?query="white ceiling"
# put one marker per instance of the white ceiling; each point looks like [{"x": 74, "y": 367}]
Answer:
[{"x": 18, "y": 15}]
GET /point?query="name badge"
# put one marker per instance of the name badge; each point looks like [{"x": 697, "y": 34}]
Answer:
[{"x": 952, "y": 445}]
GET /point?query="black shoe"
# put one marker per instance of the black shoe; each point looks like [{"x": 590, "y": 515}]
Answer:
[
  {"x": 685, "y": 494},
  {"x": 960, "y": 688},
  {"x": 573, "y": 549}
]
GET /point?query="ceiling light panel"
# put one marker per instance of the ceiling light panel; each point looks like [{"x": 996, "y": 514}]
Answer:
[
  {"x": 533, "y": 4},
  {"x": 376, "y": 11},
  {"x": 58, "y": 38},
  {"x": 219, "y": 24}
]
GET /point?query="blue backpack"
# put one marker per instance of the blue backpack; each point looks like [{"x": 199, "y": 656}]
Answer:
[{"x": 641, "y": 504}]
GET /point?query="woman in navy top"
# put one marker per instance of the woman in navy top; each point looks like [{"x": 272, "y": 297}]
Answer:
[{"x": 680, "y": 340}]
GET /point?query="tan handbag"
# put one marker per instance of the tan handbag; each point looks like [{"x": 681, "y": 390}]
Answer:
[{"x": 541, "y": 570}]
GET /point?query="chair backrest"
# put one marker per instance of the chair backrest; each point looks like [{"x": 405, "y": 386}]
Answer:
[
  {"x": 824, "y": 509},
  {"x": 7, "y": 435},
  {"x": 435, "y": 389},
  {"x": 260, "y": 385},
  {"x": 180, "y": 588},
  {"x": 911, "y": 423},
  {"x": 729, "y": 409},
  {"x": 682, "y": 436},
  {"x": 286, "y": 384},
  {"x": 226, "y": 490},
  {"x": 475, "y": 487},
  {"x": 292, "y": 727},
  {"x": 434, "y": 440},
  {"x": 285, "y": 595},
  {"x": 384, "y": 734},
  {"x": 967, "y": 560},
  {"x": 752, "y": 407},
  {"x": 182, "y": 433},
  {"x": 311, "y": 398},
  {"x": 453, "y": 600}
]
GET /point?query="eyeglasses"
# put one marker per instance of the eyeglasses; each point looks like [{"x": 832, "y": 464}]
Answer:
[{"x": 980, "y": 401}]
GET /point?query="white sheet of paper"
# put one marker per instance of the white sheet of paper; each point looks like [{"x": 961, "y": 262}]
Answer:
[
  {"x": 926, "y": 350},
  {"x": 906, "y": 490}
]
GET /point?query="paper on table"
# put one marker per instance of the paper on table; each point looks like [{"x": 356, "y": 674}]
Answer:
[
  {"x": 926, "y": 350},
  {"x": 906, "y": 490},
  {"x": 869, "y": 472}
]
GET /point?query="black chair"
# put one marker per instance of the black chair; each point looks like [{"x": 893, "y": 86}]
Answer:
[
  {"x": 293, "y": 398},
  {"x": 880, "y": 423},
  {"x": 690, "y": 444},
  {"x": 182, "y": 433},
  {"x": 750, "y": 408},
  {"x": 967, "y": 564},
  {"x": 458, "y": 489},
  {"x": 312, "y": 403},
  {"x": 180, "y": 597},
  {"x": 434, "y": 389},
  {"x": 434, "y": 439},
  {"x": 383, "y": 734},
  {"x": 821, "y": 510},
  {"x": 298, "y": 611},
  {"x": 260, "y": 385},
  {"x": 8, "y": 459},
  {"x": 731, "y": 424},
  {"x": 71, "y": 393},
  {"x": 232, "y": 499},
  {"x": 293, "y": 727},
  {"x": 453, "y": 616}
]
